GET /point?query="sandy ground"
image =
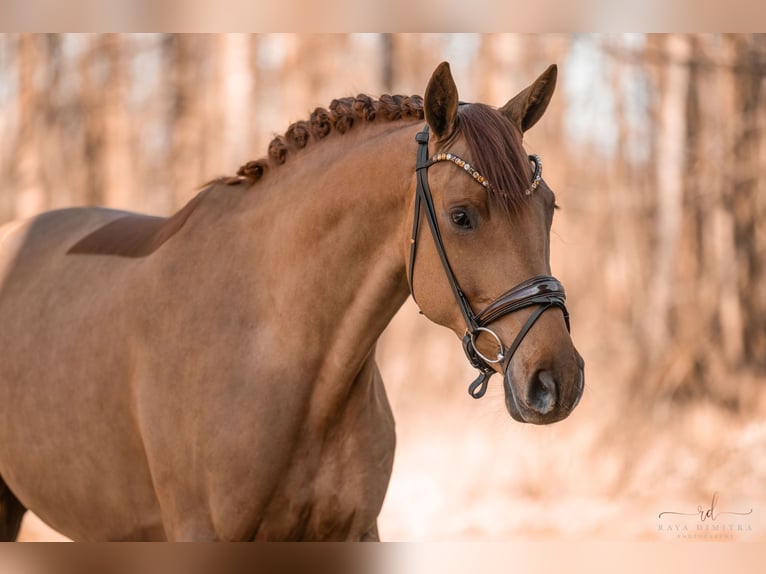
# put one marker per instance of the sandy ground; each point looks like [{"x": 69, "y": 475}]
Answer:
[{"x": 464, "y": 470}]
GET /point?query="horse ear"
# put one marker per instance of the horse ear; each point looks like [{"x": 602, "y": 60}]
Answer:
[
  {"x": 528, "y": 106},
  {"x": 440, "y": 102}
]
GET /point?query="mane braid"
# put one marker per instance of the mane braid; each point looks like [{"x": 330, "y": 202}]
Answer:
[
  {"x": 496, "y": 152},
  {"x": 340, "y": 117}
]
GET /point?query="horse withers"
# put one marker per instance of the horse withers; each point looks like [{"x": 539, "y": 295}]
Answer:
[{"x": 212, "y": 375}]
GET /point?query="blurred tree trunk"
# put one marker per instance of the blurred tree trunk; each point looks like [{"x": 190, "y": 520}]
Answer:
[
  {"x": 387, "y": 62},
  {"x": 720, "y": 113},
  {"x": 743, "y": 199},
  {"x": 670, "y": 147},
  {"x": 59, "y": 167},
  {"x": 696, "y": 359},
  {"x": 185, "y": 55},
  {"x": 231, "y": 109},
  {"x": 624, "y": 224},
  {"x": 8, "y": 63},
  {"x": 30, "y": 191},
  {"x": 121, "y": 186},
  {"x": 93, "y": 127},
  {"x": 107, "y": 151}
]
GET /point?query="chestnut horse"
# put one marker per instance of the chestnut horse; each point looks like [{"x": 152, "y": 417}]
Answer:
[{"x": 212, "y": 375}]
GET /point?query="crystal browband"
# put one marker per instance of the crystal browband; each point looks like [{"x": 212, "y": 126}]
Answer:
[
  {"x": 458, "y": 161},
  {"x": 537, "y": 176}
]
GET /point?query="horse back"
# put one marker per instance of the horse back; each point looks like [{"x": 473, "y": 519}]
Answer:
[{"x": 49, "y": 234}]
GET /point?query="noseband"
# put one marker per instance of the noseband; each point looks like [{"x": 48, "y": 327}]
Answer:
[{"x": 541, "y": 291}]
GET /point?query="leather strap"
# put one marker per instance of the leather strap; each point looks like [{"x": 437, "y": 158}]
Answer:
[{"x": 534, "y": 291}]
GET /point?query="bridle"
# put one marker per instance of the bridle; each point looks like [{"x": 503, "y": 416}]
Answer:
[{"x": 542, "y": 291}]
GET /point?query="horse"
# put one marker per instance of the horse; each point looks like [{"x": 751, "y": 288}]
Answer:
[{"x": 211, "y": 375}]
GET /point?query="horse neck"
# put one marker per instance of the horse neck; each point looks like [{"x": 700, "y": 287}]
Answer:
[{"x": 322, "y": 237}]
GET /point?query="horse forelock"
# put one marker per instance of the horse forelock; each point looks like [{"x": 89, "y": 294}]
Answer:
[
  {"x": 342, "y": 115},
  {"x": 496, "y": 151}
]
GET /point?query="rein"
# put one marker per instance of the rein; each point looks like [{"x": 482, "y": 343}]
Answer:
[{"x": 542, "y": 291}]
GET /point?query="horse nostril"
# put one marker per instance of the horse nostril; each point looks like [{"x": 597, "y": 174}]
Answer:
[{"x": 542, "y": 393}]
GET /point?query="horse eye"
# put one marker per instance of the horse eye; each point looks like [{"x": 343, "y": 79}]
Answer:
[{"x": 460, "y": 219}]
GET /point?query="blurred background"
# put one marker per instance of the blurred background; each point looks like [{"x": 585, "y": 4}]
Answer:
[{"x": 656, "y": 148}]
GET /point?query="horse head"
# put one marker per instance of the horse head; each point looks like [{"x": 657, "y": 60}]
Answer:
[{"x": 489, "y": 213}]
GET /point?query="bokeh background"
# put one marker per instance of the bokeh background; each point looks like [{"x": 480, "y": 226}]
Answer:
[{"x": 656, "y": 148}]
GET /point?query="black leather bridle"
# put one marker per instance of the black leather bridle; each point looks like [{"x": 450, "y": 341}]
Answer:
[{"x": 542, "y": 291}]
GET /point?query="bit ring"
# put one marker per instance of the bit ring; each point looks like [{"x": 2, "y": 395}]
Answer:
[{"x": 500, "y": 354}]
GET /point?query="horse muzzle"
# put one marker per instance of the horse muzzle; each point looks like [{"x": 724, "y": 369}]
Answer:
[{"x": 546, "y": 396}]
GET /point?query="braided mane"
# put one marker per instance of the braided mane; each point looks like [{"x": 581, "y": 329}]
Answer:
[
  {"x": 341, "y": 116},
  {"x": 494, "y": 142}
]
